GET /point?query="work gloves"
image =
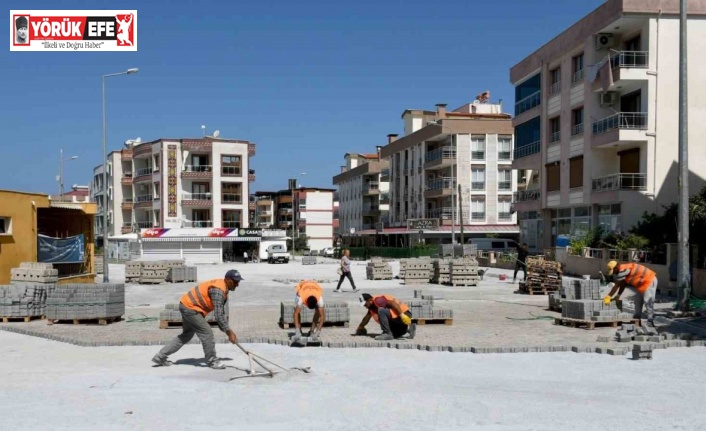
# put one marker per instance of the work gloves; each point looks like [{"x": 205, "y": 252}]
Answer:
[
  {"x": 607, "y": 299},
  {"x": 297, "y": 334},
  {"x": 315, "y": 335},
  {"x": 361, "y": 331},
  {"x": 406, "y": 319}
]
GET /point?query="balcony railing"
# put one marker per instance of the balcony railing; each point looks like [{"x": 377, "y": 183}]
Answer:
[
  {"x": 385, "y": 173},
  {"x": 528, "y": 103},
  {"x": 142, "y": 172},
  {"x": 231, "y": 223},
  {"x": 477, "y": 155},
  {"x": 385, "y": 197},
  {"x": 621, "y": 120},
  {"x": 230, "y": 171},
  {"x": 555, "y": 136},
  {"x": 504, "y": 155},
  {"x": 371, "y": 186},
  {"x": 198, "y": 168},
  {"x": 526, "y": 195},
  {"x": 477, "y": 216},
  {"x": 444, "y": 213},
  {"x": 478, "y": 185},
  {"x": 577, "y": 129},
  {"x": 555, "y": 88},
  {"x": 198, "y": 223},
  {"x": 143, "y": 224},
  {"x": 197, "y": 196},
  {"x": 527, "y": 150},
  {"x": 440, "y": 153},
  {"x": 231, "y": 198},
  {"x": 620, "y": 182},
  {"x": 262, "y": 213},
  {"x": 577, "y": 76},
  {"x": 504, "y": 216},
  {"x": 630, "y": 59},
  {"x": 505, "y": 185},
  {"x": 441, "y": 183},
  {"x": 143, "y": 198}
]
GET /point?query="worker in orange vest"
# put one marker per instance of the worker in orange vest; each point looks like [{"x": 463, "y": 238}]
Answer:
[
  {"x": 394, "y": 317},
  {"x": 640, "y": 278},
  {"x": 309, "y": 293},
  {"x": 209, "y": 296}
]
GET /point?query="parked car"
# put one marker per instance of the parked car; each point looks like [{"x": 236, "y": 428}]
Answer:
[
  {"x": 277, "y": 253},
  {"x": 494, "y": 244},
  {"x": 327, "y": 252}
]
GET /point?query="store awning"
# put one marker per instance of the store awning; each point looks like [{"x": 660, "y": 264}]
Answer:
[{"x": 203, "y": 239}]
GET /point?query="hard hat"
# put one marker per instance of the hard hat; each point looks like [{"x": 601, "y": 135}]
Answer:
[{"x": 611, "y": 265}]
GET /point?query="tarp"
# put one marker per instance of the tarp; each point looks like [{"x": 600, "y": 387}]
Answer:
[{"x": 60, "y": 250}]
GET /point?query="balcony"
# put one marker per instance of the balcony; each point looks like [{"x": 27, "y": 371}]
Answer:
[
  {"x": 438, "y": 187},
  {"x": 251, "y": 150},
  {"x": 126, "y": 228},
  {"x": 577, "y": 76},
  {"x": 198, "y": 223},
  {"x": 265, "y": 202},
  {"x": 230, "y": 171},
  {"x": 526, "y": 195},
  {"x": 126, "y": 180},
  {"x": 371, "y": 188},
  {"x": 440, "y": 158},
  {"x": 445, "y": 214},
  {"x": 143, "y": 225},
  {"x": 623, "y": 127},
  {"x": 142, "y": 201},
  {"x": 126, "y": 154},
  {"x": 478, "y": 216},
  {"x": 252, "y": 206},
  {"x": 264, "y": 213},
  {"x": 504, "y": 216},
  {"x": 371, "y": 211},
  {"x": 527, "y": 150},
  {"x": 636, "y": 182},
  {"x": 127, "y": 204},
  {"x": 232, "y": 224},
  {"x": 555, "y": 88},
  {"x": 478, "y": 186},
  {"x": 384, "y": 175},
  {"x": 142, "y": 175},
  {"x": 477, "y": 155},
  {"x": 285, "y": 210},
  {"x": 529, "y": 102},
  {"x": 555, "y": 136},
  {"x": 231, "y": 198},
  {"x": 196, "y": 199},
  {"x": 625, "y": 66},
  {"x": 504, "y": 186},
  {"x": 385, "y": 198},
  {"x": 197, "y": 171},
  {"x": 577, "y": 129},
  {"x": 505, "y": 155}
]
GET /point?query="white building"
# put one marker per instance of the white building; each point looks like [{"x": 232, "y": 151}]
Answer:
[
  {"x": 363, "y": 194},
  {"x": 315, "y": 216},
  {"x": 596, "y": 119}
]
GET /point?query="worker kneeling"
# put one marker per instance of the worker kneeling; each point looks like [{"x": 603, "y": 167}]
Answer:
[
  {"x": 394, "y": 317},
  {"x": 309, "y": 293},
  {"x": 638, "y": 277}
]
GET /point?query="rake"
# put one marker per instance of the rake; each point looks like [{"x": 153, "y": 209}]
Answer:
[{"x": 268, "y": 370}]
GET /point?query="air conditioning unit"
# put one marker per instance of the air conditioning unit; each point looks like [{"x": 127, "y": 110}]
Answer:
[
  {"x": 604, "y": 41},
  {"x": 609, "y": 98}
]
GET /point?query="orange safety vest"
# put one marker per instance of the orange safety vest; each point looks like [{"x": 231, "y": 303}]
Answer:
[
  {"x": 393, "y": 313},
  {"x": 640, "y": 277},
  {"x": 308, "y": 288},
  {"x": 198, "y": 299}
]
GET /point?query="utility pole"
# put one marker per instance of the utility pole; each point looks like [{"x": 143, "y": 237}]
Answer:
[
  {"x": 683, "y": 258},
  {"x": 460, "y": 211}
]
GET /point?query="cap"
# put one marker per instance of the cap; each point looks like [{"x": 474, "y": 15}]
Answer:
[
  {"x": 233, "y": 274},
  {"x": 21, "y": 22},
  {"x": 611, "y": 265}
]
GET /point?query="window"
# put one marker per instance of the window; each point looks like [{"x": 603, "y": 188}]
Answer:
[
  {"x": 555, "y": 80},
  {"x": 231, "y": 218},
  {"x": 478, "y": 147},
  {"x": 201, "y": 218},
  {"x": 577, "y": 121},
  {"x": 504, "y": 148},
  {"x": 576, "y": 172},
  {"x": 554, "y": 129},
  {"x": 577, "y": 68},
  {"x": 610, "y": 218},
  {"x": 5, "y": 226},
  {"x": 201, "y": 191},
  {"x": 504, "y": 213},
  {"x": 553, "y": 177},
  {"x": 504, "y": 179},
  {"x": 155, "y": 164},
  {"x": 231, "y": 193},
  {"x": 157, "y": 190},
  {"x": 477, "y": 209},
  {"x": 477, "y": 179},
  {"x": 231, "y": 166},
  {"x": 201, "y": 161},
  {"x": 302, "y": 203}
]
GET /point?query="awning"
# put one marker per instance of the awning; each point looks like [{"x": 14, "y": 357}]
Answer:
[
  {"x": 202, "y": 239},
  {"x": 444, "y": 230}
]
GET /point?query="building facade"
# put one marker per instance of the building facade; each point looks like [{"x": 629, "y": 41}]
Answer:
[
  {"x": 176, "y": 183},
  {"x": 595, "y": 121},
  {"x": 470, "y": 146},
  {"x": 363, "y": 193}
]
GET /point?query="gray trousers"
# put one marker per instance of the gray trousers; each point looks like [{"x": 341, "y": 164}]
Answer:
[
  {"x": 648, "y": 300},
  {"x": 193, "y": 323},
  {"x": 391, "y": 326}
]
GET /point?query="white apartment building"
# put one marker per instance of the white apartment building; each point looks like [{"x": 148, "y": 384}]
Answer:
[
  {"x": 265, "y": 209},
  {"x": 363, "y": 193},
  {"x": 595, "y": 122},
  {"x": 471, "y": 146},
  {"x": 314, "y": 216}
]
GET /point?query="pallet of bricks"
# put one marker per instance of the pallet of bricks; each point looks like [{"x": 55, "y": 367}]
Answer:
[
  {"x": 181, "y": 274},
  {"x": 543, "y": 276},
  {"x": 416, "y": 270},
  {"x": 378, "y": 269},
  {"x": 464, "y": 271},
  {"x": 442, "y": 270},
  {"x": 98, "y": 264},
  {"x": 423, "y": 310},
  {"x": 23, "y": 302},
  {"x": 34, "y": 272},
  {"x": 170, "y": 316},
  {"x": 86, "y": 303},
  {"x": 309, "y": 260},
  {"x": 583, "y": 307},
  {"x": 337, "y": 314},
  {"x": 571, "y": 289}
]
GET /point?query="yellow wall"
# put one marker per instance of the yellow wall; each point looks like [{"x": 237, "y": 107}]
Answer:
[{"x": 21, "y": 244}]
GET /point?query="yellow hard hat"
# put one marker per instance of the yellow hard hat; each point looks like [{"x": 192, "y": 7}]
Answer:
[{"x": 611, "y": 265}]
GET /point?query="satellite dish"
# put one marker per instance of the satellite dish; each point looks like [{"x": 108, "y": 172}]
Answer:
[
  {"x": 352, "y": 231},
  {"x": 216, "y": 133},
  {"x": 138, "y": 140}
]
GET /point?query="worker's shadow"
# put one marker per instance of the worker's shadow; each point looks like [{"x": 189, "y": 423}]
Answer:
[{"x": 198, "y": 362}]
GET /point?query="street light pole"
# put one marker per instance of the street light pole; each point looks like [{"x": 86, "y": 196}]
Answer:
[
  {"x": 104, "y": 213},
  {"x": 683, "y": 258},
  {"x": 61, "y": 171}
]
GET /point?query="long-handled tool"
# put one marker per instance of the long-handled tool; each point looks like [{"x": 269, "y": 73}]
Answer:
[{"x": 269, "y": 372}]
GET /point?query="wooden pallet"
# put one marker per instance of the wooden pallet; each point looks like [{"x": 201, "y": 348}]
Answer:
[
  {"x": 590, "y": 324},
  {"x": 308, "y": 324},
  {"x": 425, "y": 321},
  {"x": 102, "y": 321},
  {"x": 461, "y": 284},
  {"x": 166, "y": 324},
  {"x": 21, "y": 318}
]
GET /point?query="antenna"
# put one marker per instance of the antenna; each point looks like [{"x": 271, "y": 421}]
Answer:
[
  {"x": 216, "y": 133},
  {"x": 203, "y": 130}
]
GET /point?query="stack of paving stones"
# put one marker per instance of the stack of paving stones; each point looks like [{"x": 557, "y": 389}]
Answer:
[
  {"x": 309, "y": 260},
  {"x": 98, "y": 264},
  {"x": 132, "y": 270},
  {"x": 337, "y": 313},
  {"x": 86, "y": 301},
  {"x": 34, "y": 272},
  {"x": 464, "y": 272},
  {"x": 24, "y": 300},
  {"x": 422, "y": 308},
  {"x": 171, "y": 314},
  {"x": 442, "y": 270},
  {"x": 154, "y": 272},
  {"x": 181, "y": 274},
  {"x": 416, "y": 270},
  {"x": 572, "y": 289},
  {"x": 378, "y": 269},
  {"x": 542, "y": 276}
]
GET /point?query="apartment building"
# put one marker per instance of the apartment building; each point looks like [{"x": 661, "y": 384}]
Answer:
[
  {"x": 176, "y": 183},
  {"x": 470, "y": 146},
  {"x": 595, "y": 121},
  {"x": 363, "y": 193}
]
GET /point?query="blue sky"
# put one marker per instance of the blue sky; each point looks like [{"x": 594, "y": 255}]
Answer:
[{"x": 306, "y": 80}]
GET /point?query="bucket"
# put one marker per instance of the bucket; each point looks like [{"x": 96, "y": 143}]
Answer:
[{"x": 502, "y": 277}]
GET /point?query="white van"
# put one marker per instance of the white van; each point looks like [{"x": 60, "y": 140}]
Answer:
[{"x": 494, "y": 244}]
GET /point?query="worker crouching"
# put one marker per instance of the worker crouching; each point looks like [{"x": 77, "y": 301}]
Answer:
[
  {"x": 310, "y": 294},
  {"x": 394, "y": 317},
  {"x": 638, "y": 277}
]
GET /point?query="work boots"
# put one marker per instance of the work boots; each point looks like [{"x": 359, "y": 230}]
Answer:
[
  {"x": 384, "y": 337},
  {"x": 162, "y": 361}
]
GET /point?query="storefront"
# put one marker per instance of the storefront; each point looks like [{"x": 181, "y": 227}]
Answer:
[{"x": 196, "y": 245}]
